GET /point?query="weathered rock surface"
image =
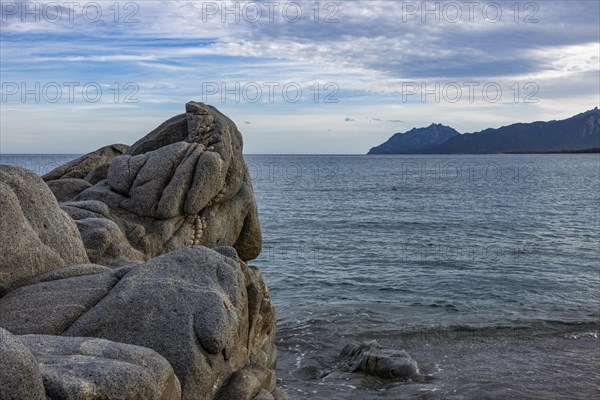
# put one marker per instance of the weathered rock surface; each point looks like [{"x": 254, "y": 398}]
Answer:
[
  {"x": 370, "y": 358},
  {"x": 68, "y": 188},
  {"x": 61, "y": 273},
  {"x": 185, "y": 183},
  {"x": 146, "y": 217},
  {"x": 204, "y": 310},
  {"x": 84, "y": 165},
  {"x": 250, "y": 382},
  {"x": 51, "y": 307},
  {"x": 207, "y": 313},
  {"x": 95, "y": 369},
  {"x": 20, "y": 377},
  {"x": 72, "y": 178},
  {"x": 106, "y": 243},
  {"x": 36, "y": 236},
  {"x": 279, "y": 394},
  {"x": 173, "y": 130}
]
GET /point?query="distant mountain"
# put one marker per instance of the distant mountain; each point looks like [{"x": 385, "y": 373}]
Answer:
[
  {"x": 415, "y": 140},
  {"x": 579, "y": 132},
  {"x": 576, "y": 133}
]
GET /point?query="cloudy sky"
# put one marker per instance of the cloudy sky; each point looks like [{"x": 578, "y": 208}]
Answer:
[{"x": 296, "y": 77}]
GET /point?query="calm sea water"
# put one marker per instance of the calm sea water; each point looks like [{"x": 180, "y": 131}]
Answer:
[{"x": 485, "y": 268}]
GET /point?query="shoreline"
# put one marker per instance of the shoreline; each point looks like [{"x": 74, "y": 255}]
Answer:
[{"x": 490, "y": 363}]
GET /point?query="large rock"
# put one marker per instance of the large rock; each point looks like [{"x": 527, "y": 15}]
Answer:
[
  {"x": 95, "y": 369},
  {"x": 50, "y": 307},
  {"x": 173, "y": 130},
  {"x": 105, "y": 242},
  {"x": 20, "y": 377},
  {"x": 72, "y": 178},
  {"x": 185, "y": 183},
  {"x": 36, "y": 236},
  {"x": 250, "y": 382},
  {"x": 63, "y": 273},
  {"x": 204, "y": 310},
  {"x": 168, "y": 224},
  {"x": 207, "y": 313},
  {"x": 372, "y": 359},
  {"x": 86, "y": 164},
  {"x": 68, "y": 188}
]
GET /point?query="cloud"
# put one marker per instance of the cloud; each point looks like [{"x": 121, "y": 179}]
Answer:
[{"x": 175, "y": 48}]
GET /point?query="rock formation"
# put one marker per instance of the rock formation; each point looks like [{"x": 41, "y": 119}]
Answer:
[
  {"x": 184, "y": 183},
  {"x": 20, "y": 376},
  {"x": 89, "y": 368},
  {"x": 91, "y": 167},
  {"x": 136, "y": 285},
  {"x": 372, "y": 359},
  {"x": 36, "y": 235}
]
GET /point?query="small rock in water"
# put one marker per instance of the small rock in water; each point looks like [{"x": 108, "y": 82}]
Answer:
[{"x": 370, "y": 358}]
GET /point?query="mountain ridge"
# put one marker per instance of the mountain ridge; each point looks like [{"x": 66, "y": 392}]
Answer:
[
  {"x": 579, "y": 132},
  {"x": 415, "y": 139}
]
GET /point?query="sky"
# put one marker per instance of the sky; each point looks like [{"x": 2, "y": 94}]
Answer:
[{"x": 314, "y": 77}]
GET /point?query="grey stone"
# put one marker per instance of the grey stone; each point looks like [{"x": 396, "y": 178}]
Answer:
[
  {"x": 82, "y": 166},
  {"x": 105, "y": 242},
  {"x": 206, "y": 313},
  {"x": 51, "y": 307},
  {"x": 227, "y": 251},
  {"x": 95, "y": 369},
  {"x": 172, "y": 130},
  {"x": 86, "y": 209},
  {"x": 372, "y": 359},
  {"x": 20, "y": 377},
  {"x": 185, "y": 183},
  {"x": 67, "y": 272},
  {"x": 263, "y": 395},
  {"x": 147, "y": 212},
  {"x": 67, "y": 188},
  {"x": 279, "y": 394},
  {"x": 36, "y": 236},
  {"x": 247, "y": 383},
  {"x": 97, "y": 174},
  {"x": 62, "y": 273},
  {"x": 163, "y": 183}
]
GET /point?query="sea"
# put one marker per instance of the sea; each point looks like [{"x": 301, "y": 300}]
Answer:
[{"x": 484, "y": 268}]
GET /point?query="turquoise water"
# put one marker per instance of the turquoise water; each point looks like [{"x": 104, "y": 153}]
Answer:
[{"x": 417, "y": 250}]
